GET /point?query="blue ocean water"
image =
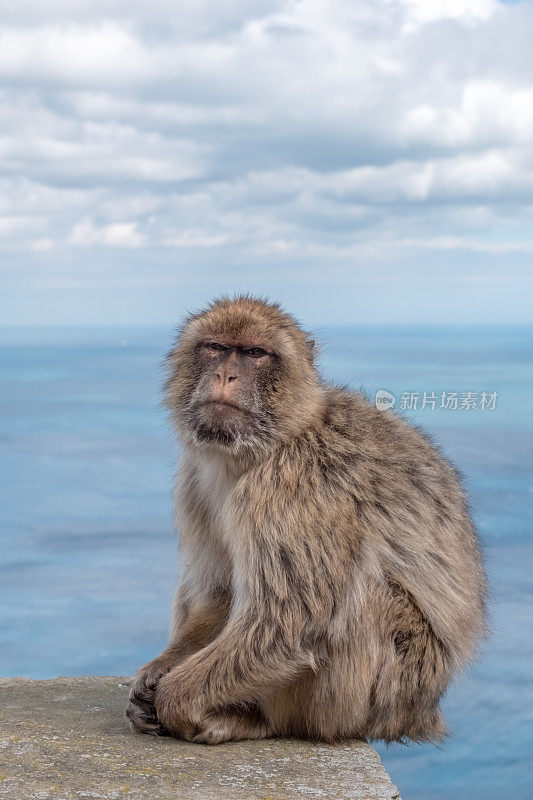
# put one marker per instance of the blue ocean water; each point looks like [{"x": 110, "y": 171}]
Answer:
[{"x": 87, "y": 563}]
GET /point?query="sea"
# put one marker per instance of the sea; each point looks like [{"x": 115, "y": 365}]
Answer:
[{"x": 88, "y": 554}]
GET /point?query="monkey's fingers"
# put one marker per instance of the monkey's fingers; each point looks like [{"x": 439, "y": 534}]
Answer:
[
  {"x": 142, "y": 693},
  {"x": 143, "y": 719},
  {"x": 141, "y": 712}
]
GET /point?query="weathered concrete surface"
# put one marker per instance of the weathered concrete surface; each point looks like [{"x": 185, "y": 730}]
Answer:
[{"x": 67, "y": 739}]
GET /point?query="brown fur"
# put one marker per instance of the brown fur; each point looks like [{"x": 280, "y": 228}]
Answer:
[{"x": 331, "y": 577}]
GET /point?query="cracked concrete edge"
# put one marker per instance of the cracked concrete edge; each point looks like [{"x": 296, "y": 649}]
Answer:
[{"x": 67, "y": 739}]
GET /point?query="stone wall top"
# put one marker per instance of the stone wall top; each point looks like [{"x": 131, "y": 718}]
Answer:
[{"x": 66, "y": 739}]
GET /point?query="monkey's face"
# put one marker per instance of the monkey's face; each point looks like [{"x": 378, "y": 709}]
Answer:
[
  {"x": 229, "y": 405},
  {"x": 241, "y": 378}
]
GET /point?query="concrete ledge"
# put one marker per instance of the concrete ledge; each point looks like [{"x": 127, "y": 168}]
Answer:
[{"x": 67, "y": 739}]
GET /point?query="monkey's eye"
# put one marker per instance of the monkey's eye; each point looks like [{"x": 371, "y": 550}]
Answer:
[
  {"x": 255, "y": 352},
  {"x": 215, "y": 346}
]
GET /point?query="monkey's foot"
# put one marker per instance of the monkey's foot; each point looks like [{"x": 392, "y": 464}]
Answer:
[{"x": 227, "y": 727}]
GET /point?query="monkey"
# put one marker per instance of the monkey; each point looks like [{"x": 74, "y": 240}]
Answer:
[{"x": 331, "y": 578}]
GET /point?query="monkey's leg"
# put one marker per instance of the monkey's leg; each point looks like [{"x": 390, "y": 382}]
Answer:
[
  {"x": 411, "y": 677},
  {"x": 194, "y": 628},
  {"x": 382, "y": 680}
]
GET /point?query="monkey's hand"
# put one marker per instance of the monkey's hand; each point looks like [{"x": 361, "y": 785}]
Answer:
[
  {"x": 141, "y": 711},
  {"x": 188, "y": 715},
  {"x": 180, "y": 711}
]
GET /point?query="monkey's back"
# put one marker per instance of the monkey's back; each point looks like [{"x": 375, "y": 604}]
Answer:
[
  {"x": 367, "y": 555},
  {"x": 411, "y": 513}
]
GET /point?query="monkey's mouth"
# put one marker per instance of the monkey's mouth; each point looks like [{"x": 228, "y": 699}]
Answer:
[
  {"x": 221, "y": 421},
  {"x": 226, "y": 404}
]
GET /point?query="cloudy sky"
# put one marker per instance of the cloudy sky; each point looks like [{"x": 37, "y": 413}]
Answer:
[{"x": 360, "y": 160}]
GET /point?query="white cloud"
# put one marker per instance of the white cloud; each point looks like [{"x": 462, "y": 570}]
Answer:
[
  {"x": 421, "y": 12},
  {"x": 40, "y": 245},
  {"x": 120, "y": 234},
  {"x": 12, "y": 224},
  {"x": 489, "y": 113},
  {"x": 73, "y": 54},
  {"x": 259, "y": 132}
]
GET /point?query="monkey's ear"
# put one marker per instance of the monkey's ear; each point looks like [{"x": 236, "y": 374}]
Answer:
[{"x": 310, "y": 343}]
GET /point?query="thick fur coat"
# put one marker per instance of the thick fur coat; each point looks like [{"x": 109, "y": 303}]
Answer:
[{"x": 331, "y": 580}]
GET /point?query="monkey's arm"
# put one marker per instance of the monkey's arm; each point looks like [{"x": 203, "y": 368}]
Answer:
[
  {"x": 287, "y": 582},
  {"x": 195, "y": 624},
  {"x": 251, "y": 655}
]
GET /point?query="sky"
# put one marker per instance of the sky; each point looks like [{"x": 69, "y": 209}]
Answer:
[{"x": 363, "y": 162}]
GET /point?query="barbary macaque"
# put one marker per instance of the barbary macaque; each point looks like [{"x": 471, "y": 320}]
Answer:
[{"x": 330, "y": 575}]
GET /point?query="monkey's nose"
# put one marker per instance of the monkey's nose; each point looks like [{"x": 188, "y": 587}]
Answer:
[{"x": 226, "y": 376}]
